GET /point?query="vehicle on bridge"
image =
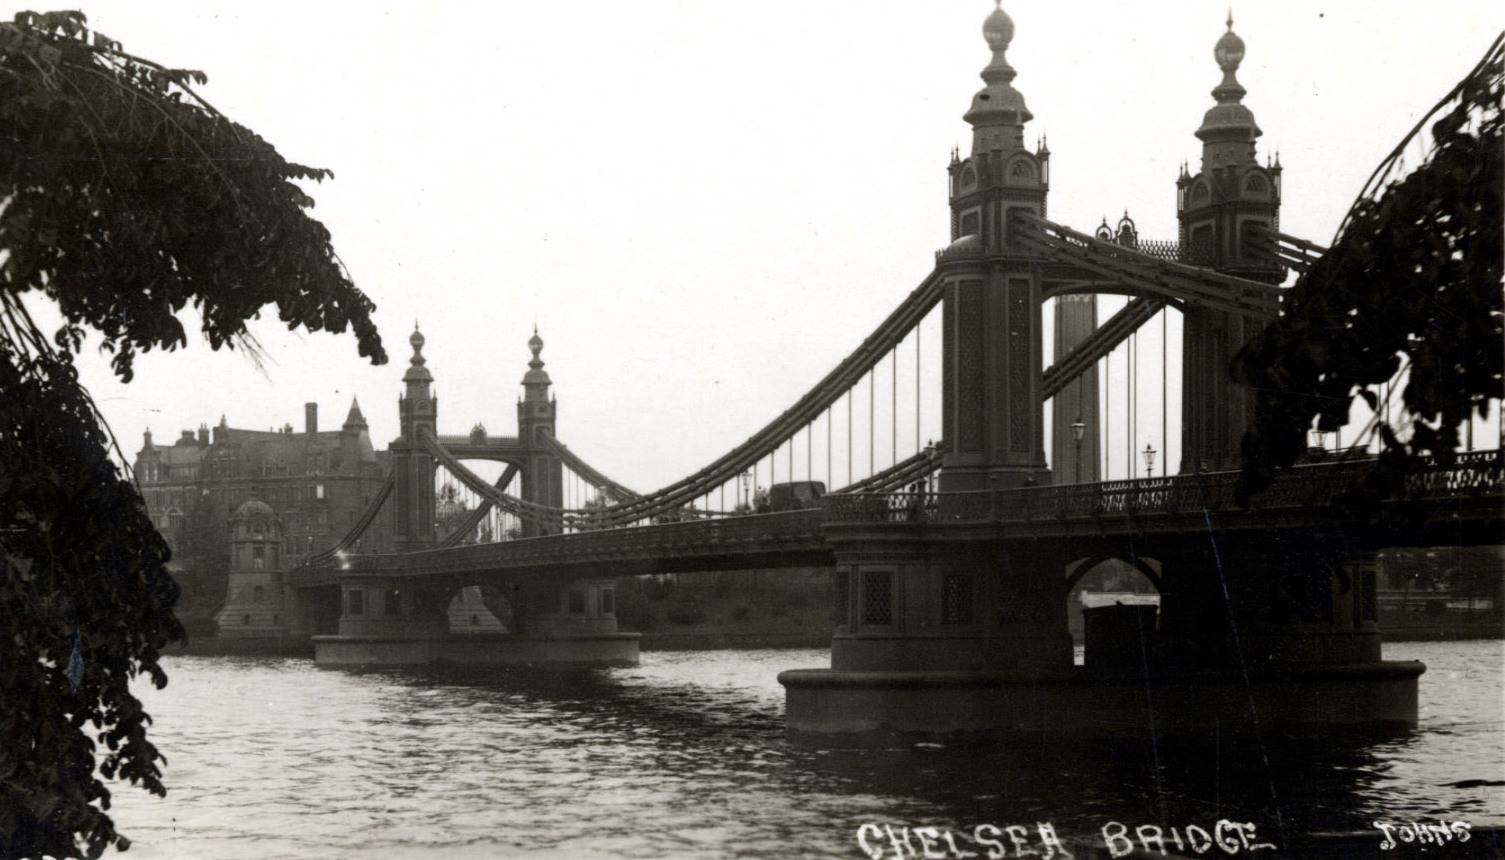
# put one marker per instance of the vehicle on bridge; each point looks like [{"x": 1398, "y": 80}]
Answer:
[{"x": 793, "y": 496}]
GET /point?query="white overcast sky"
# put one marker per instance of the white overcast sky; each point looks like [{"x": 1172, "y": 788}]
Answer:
[{"x": 704, "y": 206}]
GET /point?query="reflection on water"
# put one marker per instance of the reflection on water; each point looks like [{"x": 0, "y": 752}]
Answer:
[{"x": 685, "y": 756}]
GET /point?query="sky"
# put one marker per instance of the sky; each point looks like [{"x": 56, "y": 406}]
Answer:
[{"x": 703, "y": 207}]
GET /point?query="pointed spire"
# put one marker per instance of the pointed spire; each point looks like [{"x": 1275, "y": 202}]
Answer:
[{"x": 354, "y": 420}]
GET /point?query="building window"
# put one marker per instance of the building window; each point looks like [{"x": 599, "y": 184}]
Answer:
[
  {"x": 258, "y": 595},
  {"x": 577, "y": 601},
  {"x": 608, "y": 601},
  {"x": 355, "y": 602},
  {"x": 258, "y": 557},
  {"x": 475, "y": 620},
  {"x": 956, "y": 599},
  {"x": 878, "y": 597},
  {"x": 318, "y": 491}
]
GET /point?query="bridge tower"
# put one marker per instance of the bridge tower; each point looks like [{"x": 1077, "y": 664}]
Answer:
[
  {"x": 962, "y": 610},
  {"x": 1221, "y": 210},
  {"x": 993, "y": 420},
  {"x": 543, "y": 473},
  {"x": 412, "y": 465}
]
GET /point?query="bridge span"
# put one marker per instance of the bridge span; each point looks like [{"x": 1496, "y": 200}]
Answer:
[{"x": 954, "y": 559}]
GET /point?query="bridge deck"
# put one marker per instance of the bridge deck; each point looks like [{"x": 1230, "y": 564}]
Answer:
[{"x": 1440, "y": 501}]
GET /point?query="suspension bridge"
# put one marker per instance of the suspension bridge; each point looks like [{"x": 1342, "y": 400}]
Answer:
[{"x": 955, "y": 553}]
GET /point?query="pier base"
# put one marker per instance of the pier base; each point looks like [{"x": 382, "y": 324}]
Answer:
[
  {"x": 827, "y": 707},
  {"x": 385, "y": 624},
  {"x": 588, "y": 650}
]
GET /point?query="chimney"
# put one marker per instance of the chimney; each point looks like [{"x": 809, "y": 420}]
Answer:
[{"x": 311, "y": 418}]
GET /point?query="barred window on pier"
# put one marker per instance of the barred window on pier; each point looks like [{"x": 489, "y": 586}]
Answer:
[
  {"x": 878, "y": 597},
  {"x": 355, "y": 602},
  {"x": 392, "y": 602},
  {"x": 577, "y": 601},
  {"x": 956, "y": 599},
  {"x": 608, "y": 601}
]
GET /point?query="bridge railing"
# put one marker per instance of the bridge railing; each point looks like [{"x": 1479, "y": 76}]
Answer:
[{"x": 1312, "y": 485}]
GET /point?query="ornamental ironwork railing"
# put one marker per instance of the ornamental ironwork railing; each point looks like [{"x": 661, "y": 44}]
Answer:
[
  {"x": 1312, "y": 486},
  {"x": 789, "y": 531}
]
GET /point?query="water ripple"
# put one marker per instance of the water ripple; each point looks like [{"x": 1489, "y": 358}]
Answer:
[{"x": 684, "y": 756}]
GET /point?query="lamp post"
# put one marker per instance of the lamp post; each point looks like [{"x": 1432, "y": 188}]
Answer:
[
  {"x": 1078, "y": 430},
  {"x": 929, "y": 455},
  {"x": 1149, "y": 460},
  {"x": 746, "y": 481}
]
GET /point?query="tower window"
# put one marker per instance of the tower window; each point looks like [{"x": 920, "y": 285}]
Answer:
[
  {"x": 1256, "y": 185},
  {"x": 258, "y": 595}
]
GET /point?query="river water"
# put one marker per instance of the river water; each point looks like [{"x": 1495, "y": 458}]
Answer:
[{"x": 685, "y": 756}]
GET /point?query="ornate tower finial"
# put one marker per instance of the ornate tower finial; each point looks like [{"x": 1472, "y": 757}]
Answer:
[
  {"x": 1228, "y": 130},
  {"x": 417, "y": 340},
  {"x": 536, "y": 381},
  {"x": 417, "y": 376},
  {"x": 998, "y": 113}
]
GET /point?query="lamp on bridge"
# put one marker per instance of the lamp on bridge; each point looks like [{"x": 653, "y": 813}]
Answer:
[
  {"x": 1321, "y": 442},
  {"x": 746, "y": 482},
  {"x": 1149, "y": 460},
  {"x": 929, "y": 457},
  {"x": 1078, "y": 430}
]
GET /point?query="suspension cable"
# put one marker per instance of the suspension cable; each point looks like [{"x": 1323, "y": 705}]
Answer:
[{"x": 893, "y": 455}]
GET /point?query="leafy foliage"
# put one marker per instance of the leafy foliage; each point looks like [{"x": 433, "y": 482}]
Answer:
[
  {"x": 203, "y": 555},
  {"x": 124, "y": 199},
  {"x": 1414, "y": 283}
]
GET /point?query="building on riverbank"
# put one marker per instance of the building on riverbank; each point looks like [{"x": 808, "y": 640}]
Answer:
[{"x": 315, "y": 485}]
